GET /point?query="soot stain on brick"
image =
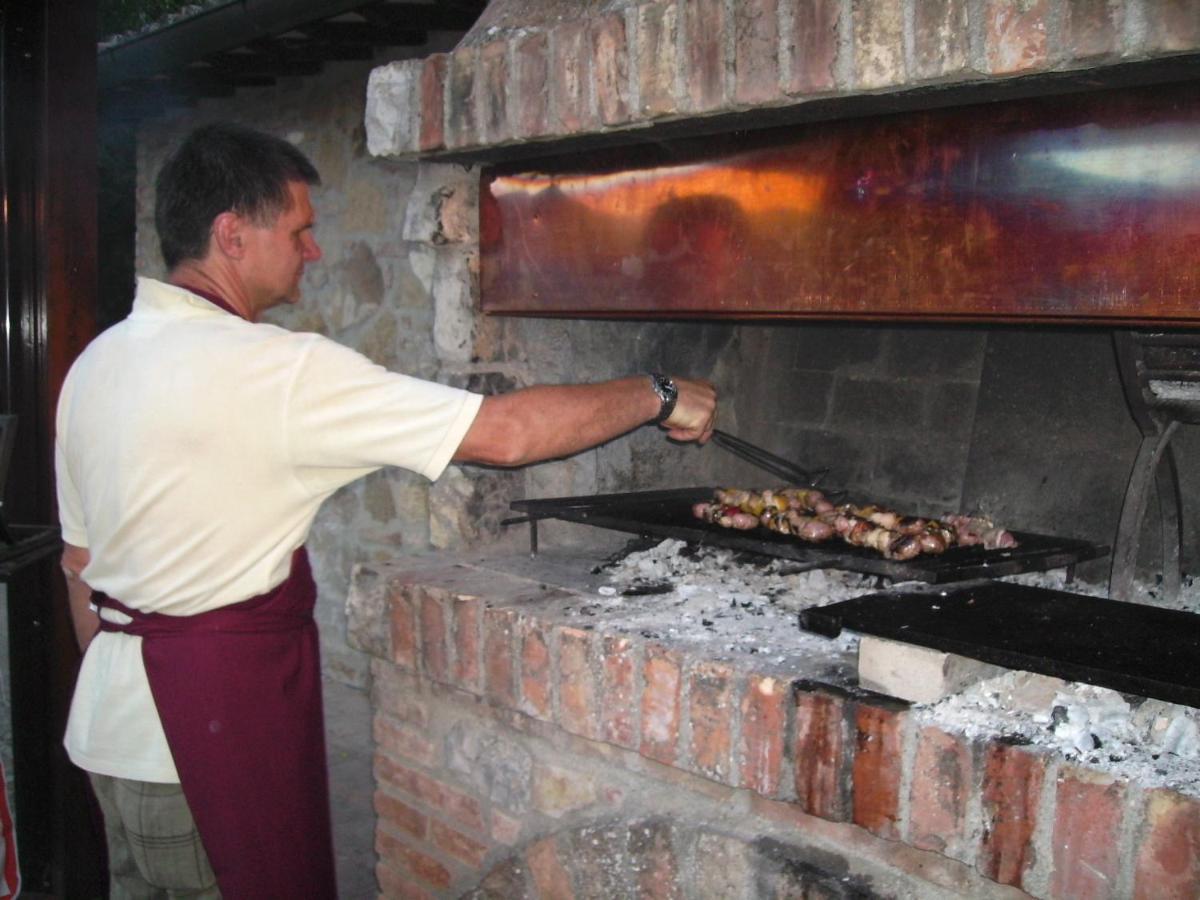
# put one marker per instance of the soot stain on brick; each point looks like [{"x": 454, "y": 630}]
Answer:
[{"x": 785, "y": 868}]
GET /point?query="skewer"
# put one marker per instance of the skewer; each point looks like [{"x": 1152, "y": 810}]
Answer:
[{"x": 766, "y": 460}]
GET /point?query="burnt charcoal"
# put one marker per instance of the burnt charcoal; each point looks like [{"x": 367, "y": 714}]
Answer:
[
  {"x": 645, "y": 588},
  {"x": 1058, "y": 716},
  {"x": 707, "y": 623}
]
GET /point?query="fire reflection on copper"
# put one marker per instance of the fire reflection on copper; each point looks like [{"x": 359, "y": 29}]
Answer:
[{"x": 1084, "y": 207}]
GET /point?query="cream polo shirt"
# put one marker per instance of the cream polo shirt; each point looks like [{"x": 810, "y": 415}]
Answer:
[{"x": 281, "y": 420}]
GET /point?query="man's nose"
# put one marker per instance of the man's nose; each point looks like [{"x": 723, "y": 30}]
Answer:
[{"x": 312, "y": 250}]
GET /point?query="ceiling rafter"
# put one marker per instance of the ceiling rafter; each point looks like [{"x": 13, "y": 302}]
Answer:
[{"x": 196, "y": 59}]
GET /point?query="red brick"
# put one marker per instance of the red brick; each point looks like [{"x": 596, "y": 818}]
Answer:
[
  {"x": 549, "y": 873},
  {"x": 1087, "y": 832},
  {"x": 404, "y": 632},
  {"x": 535, "y": 670},
  {"x": 1089, "y": 30},
  {"x": 433, "y": 639},
  {"x": 461, "y": 807},
  {"x": 941, "y": 42},
  {"x": 653, "y": 861},
  {"x": 577, "y": 707},
  {"x": 1012, "y": 787},
  {"x": 458, "y": 845},
  {"x": 394, "y": 693},
  {"x": 505, "y": 879},
  {"x": 505, "y": 829},
  {"x": 403, "y": 742},
  {"x": 658, "y": 61},
  {"x": 942, "y": 781},
  {"x": 498, "y": 655},
  {"x": 467, "y": 616},
  {"x": 1172, "y": 25},
  {"x": 822, "y": 770},
  {"x": 398, "y": 885},
  {"x": 1168, "y": 861},
  {"x": 491, "y": 93},
  {"x": 764, "y": 726},
  {"x": 879, "y": 43},
  {"x": 532, "y": 98},
  {"x": 400, "y": 816},
  {"x": 756, "y": 51},
  {"x": 877, "y": 770},
  {"x": 1015, "y": 35},
  {"x": 814, "y": 46},
  {"x": 461, "y": 128},
  {"x": 390, "y": 773},
  {"x": 448, "y": 801},
  {"x": 570, "y": 74},
  {"x": 711, "y": 717},
  {"x": 660, "y": 704},
  {"x": 704, "y": 55},
  {"x": 610, "y": 65},
  {"x": 617, "y": 708},
  {"x": 399, "y": 855},
  {"x": 433, "y": 102}
]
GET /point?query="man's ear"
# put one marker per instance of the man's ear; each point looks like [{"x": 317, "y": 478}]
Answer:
[{"x": 228, "y": 235}]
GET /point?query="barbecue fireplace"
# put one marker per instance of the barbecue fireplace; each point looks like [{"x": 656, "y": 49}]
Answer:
[{"x": 529, "y": 748}]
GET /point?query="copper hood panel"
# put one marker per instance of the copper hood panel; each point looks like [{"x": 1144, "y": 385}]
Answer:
[{"x": 1079, "y": 208}]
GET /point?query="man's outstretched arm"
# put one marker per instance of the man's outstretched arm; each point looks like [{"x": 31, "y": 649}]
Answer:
[{"x": 553, "y": 421}]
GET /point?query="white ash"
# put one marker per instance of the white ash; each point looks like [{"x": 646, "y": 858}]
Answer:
[
  {"x": 1151, "y": 742},
  {"x": 707, "y": 595}
]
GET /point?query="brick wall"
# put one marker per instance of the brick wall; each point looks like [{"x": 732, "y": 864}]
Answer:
[
  {"x": 520, "y": 755},
  {"x": 549, "y": 70}
]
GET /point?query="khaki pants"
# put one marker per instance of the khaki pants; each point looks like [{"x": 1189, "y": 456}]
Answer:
[{"x": 154, "y": 850}]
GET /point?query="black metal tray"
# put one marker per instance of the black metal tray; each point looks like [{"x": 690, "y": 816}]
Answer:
[
  {"x": 668, "y": 514},
  {"x": 1129, "y": 647}
]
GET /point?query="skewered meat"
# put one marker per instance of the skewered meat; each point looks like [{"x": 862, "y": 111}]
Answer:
[
  {"x": 970, "y": 530},
  {"x": 806, "y": 513}
]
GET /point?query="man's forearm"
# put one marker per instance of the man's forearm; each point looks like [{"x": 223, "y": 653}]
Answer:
[
  {"x": 552, "y": 421},
  {"x": 84, "y": 618},
  {"x": 79, "y": 594}
]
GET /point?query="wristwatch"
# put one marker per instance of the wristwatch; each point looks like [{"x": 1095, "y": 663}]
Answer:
[{"x": 667, "y": 392}]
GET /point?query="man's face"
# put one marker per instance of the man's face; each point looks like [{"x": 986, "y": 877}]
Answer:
[{"x": 275, "y": 254}]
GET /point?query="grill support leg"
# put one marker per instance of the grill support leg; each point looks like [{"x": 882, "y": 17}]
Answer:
[{"x": 1146, "y": 470}]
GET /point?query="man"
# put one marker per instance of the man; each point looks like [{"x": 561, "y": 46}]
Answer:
[{"x": 194, "y": 448}]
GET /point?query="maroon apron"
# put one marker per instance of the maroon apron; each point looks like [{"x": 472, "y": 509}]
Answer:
[{"x": 238, "y": 690}]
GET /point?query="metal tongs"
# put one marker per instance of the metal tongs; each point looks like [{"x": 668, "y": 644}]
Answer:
[{"x": 769, "y": 462}]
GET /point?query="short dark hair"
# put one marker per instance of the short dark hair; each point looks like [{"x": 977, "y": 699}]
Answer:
[{"x": 223, "y": 168}]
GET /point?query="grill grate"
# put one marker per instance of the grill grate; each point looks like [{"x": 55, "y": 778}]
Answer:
[{"x": 668, "y": 514}]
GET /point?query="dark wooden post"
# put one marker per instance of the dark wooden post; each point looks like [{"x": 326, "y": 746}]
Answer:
[{"x": 48, "y": 301}]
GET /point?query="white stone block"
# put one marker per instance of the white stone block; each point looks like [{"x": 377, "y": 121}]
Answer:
[
  {"x": 443, "y": 207},
  {"x": 454, "y": 309},
  {"x": 917, "y": 674},
  {"x": 393, "y": 114}
]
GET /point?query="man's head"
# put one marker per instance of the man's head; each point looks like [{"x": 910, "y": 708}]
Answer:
[{"x": 227, "y": 188}]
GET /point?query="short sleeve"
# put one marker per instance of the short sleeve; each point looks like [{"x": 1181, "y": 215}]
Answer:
[{"x": 346, "y": 416}]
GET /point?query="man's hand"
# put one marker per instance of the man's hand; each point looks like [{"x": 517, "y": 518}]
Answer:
[{"x": 695, "y": 412}]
